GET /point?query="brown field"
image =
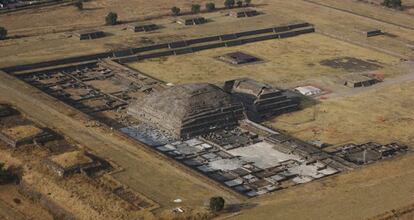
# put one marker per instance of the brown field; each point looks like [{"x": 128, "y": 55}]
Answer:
[
  {"x": 92, "y": 15},
  {"x": 382, "y": 113}
]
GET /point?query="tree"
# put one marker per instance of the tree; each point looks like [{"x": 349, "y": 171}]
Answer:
[
  {"x": 210, "y": 6},
  {"x": 6, "y": 176},
  {"x": 229, "y": 3},
  {"x": 111, "y": 18},
  {"x": 79, "y": 4},
  {"x": 175, "y": 10},
  {"x": 195, "y": 8},
  {"x": 247, "y": 2},
  {"x": 397, "y": 4},
  {"x": 239, "y": 3},
  {"x": 3, "y": 33},
  {"x": 216, "y": 204}
]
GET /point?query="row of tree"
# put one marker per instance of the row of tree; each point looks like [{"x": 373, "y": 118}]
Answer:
[
  {"x": 397, "y": 4},
  {"x": 196, "y": 8}
]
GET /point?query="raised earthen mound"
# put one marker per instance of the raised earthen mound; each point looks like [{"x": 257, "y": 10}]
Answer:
[{"x": 188, "y": 110}]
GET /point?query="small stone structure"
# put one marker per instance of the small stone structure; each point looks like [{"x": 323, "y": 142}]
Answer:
[
  {"x": 188, "y": 110},
  {"x": 372, "y": 32},
  {"x": 69, "y": 163},
  {"x": 369, "y": 152},
  {"x": 241, "y": 13},
  {"x": 142, "y": 27},
  {"x": 238, "y": 58},
  {"x": 89, "y": 34},
  {"x": 20, "y": 135},
  {"x": 5, "y": 111},
  {"x": 359, "y": 80},
  {"x": 261, "y": 100},
  {"x": 192, "y": 20}
]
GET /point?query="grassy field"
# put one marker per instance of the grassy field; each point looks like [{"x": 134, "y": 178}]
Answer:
[
  {"x": 382, "y": 115},
  {"x": 93, "y": 14},
  {"x": 285, "y": 61}
]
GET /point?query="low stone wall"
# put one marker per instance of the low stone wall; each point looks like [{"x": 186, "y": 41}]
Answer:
[{"x": 227, "y": 40}]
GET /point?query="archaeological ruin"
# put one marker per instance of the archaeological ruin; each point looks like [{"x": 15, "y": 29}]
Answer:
[
  {"x": 261, "y": 100},
  {"x": 188, "y": 110},
  {"x": 237, "y": 58},
  {"x": 241, "y": 13},
  {"x": 89, "y": 34},
  {"x": 142, "y": 27},
  {"x": 191, "y": 20}
]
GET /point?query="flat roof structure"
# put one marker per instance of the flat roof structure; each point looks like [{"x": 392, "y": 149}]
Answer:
[
  {"x": 241, "y": 13},
  {"x": 238, "y": 58},
  {"x": 191, "y": 20},
  {"x": 89, "y": 34}
]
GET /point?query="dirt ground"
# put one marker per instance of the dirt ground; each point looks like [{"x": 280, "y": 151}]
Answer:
[{"x": 284, "y": 62}]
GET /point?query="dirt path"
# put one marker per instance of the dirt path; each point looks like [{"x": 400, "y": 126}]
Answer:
[{"x": 7, "y": 212}]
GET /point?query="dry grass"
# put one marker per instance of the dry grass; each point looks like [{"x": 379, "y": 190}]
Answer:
[
  {"x": 69, "y": 159},
  {"x": 22, "y": 131},
  {"x": 285, "y": 61}
]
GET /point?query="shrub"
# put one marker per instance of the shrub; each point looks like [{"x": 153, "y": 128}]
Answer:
[
  {"x": 216, "y": 204},
  {"x": 195, "y": 8},
  {"x": 239, "y": 3},
  {"x": 78, "y": 5},
  {"x": 111, "y": 18},
  {"x": 210, "y": 6},
  {"x": 397, "y": 4},
  {"x": 175, "y": 10},
  {"x": 3, "y": 33},
  {"x": 247, "y": 2},
  {"x": 229, "y": 3}
]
